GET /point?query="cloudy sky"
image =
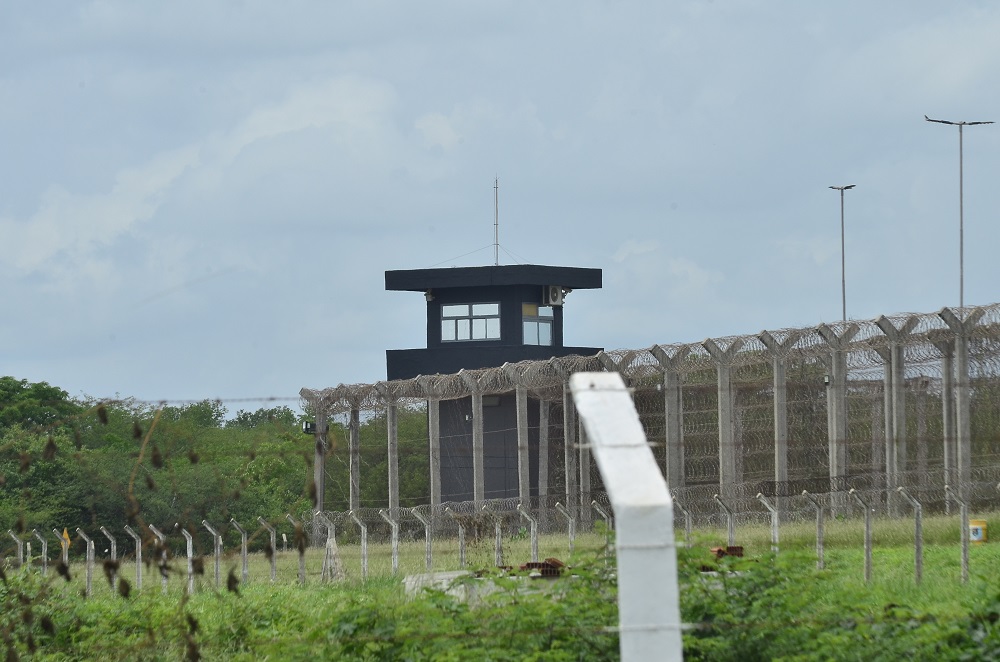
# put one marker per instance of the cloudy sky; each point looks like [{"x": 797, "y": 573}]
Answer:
[{"x": 199, "y": 200}]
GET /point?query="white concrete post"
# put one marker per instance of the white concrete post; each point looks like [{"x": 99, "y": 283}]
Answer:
[
  {"x": 434, "y": 449},
  {"x": 364, "y": 543},
  {"x": 963, "y": 509},
  {"x": 274, "y": 546},
  {"x": 216, "y": 549},
  {"x": 534, "y": 532},
  {"x": 778, "y": 349},
  {"x": 819, "y": 527},
  {"x": 428, "y": 549},
  {"x": 190, "y": 557},
  {"x": 333, "y": 569},
  {"x": 90, "y": 558},
  {"x": 673, "y": 406},
  {"x": 394, "y": 524},
  {"x": 243, "y": 549},
  {"x": 162, "y": 561},
  {"x": 963, "y": 456},
  {"x": 648, "y": 594},
  {"x": 114, "y": 557},
  {"x": 918, "y": 535},
  {"x": 45, "y": 551},
  {"x": 138, "y": 556},
  {"x": 837, "y": 398},
  {"x": 20, "y": 548},
  {"x": 354, "y": 457},
  {"x": 299, "y": 545},
  {"x": 728, "y": 463},
  {"x": 868, "y": 533}
]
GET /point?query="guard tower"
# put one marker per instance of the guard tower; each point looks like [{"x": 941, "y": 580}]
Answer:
[{"x": 483, "y": 317}]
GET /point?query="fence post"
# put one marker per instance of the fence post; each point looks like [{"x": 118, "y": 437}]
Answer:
[
  {"x": 45, "y": 551},
  {"x": 571, "y": 524},
  {"x": 687, "y": 519},
  {"x": 497, "y": 538},
  {"x": 428, "y": 554},
  {"x": 20, "y": 548},
  {"x": 461, "y": 537},
  {"x": 918, "y": 535},
  {"x": 364, "y": 544},
  {"x": 163, "y": 555},
  {"x": 332, "y": 567},
  {"x": 138, "y": 556},
  {"x": 819, "y": 528},
  {"x": 608, "y": 526},
  {"x": 533, "y": 523},
  {"x": 216, "y": 549},
  {"x": 730, "y": 520},
  {"x": 300, "y": 546},
  {"x": 868, "y": 533},
  {"x": 63, "y": 547},
  {"x": 394, "y": 523},
  {"x": 243, "y": 548},
  {"x": 90, "y": 558},
  {"x": 774, "y": 521},
  {"x": 274, "y": 546},
  {"x": 963, "y": 513},
  {"x": 190, "y": 557},
  {"x": 648, "y": 592},
  {"x": 114, "y": 557}
]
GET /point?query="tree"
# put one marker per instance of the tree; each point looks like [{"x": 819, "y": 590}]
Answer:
[{"x": 34, "y": 406}]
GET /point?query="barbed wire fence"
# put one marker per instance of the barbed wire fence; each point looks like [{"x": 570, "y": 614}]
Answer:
[{"x": 907, "y": 401}]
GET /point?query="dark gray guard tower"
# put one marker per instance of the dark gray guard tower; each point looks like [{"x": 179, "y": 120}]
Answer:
[{"x": 483, "y": 317}]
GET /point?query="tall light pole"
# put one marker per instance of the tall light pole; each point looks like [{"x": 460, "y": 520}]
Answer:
[
  {"x": 843, "y": 273},
  {"x": 961, "y": 210}
]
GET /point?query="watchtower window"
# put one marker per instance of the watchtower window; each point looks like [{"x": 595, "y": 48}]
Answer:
[
  {"x": 470, "y": 321},
  {"x": 537, "y": 322}
]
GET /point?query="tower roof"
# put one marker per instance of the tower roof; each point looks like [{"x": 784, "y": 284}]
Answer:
[{"x": 421, "y": 280}]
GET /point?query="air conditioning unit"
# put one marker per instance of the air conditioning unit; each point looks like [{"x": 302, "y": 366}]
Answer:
[{"x": 552, "y": 295}]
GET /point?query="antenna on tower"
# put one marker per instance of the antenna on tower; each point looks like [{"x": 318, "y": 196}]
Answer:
[{"x": 496, "y": 222}]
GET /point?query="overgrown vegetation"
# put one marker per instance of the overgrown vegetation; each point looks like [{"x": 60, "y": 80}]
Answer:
[{"x": 69, "y": 463}]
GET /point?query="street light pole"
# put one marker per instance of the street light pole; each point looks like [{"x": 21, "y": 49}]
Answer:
[
  {"x": 843, "y": 272},
  {"x": 961, "y": 210}
]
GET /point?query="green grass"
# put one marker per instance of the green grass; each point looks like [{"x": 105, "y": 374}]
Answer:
[{"x": 759, "y": 607}]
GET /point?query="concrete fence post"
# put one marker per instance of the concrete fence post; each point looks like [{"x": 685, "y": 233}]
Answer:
[
  {"x": 333, "y": 569},
  {"x": 190, "y": 557},
  {"x": 243, "y": 550},
  {"x": 648, "y": 593},
  {"x": 20, "y": 548},
  {"x": 428, "y": 551},
  {"x": 963, "y": 511},
  {"x": 918, "y": 535},
  {"x": 90, "y": 559},
  {"x": 364, "y": 543},
  {"x": 274, "y": 546},
  {"x": 299, "y": 546},
  {"x": 730, "y": 520},
  {"x": 216, "y": 550},
  {"x": 114, "y": 557},
  {"x": 394, "y": 527},
  {"x": 533, "y": 523},
  {"x": 819, "y": 527},
  {"x": 570, "y": 524},
  {"x": 687, "y": 519},
  {"x": 774, "y": 520},
  {"x": 461, "y": 537},
  {"x": 138, "y": 556},
  {"x": 63, "y": 547},
  {"x": 45, "y": 551},
  {"x": 162, "y": 561},
  {"x": 868, "y": 533}
]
